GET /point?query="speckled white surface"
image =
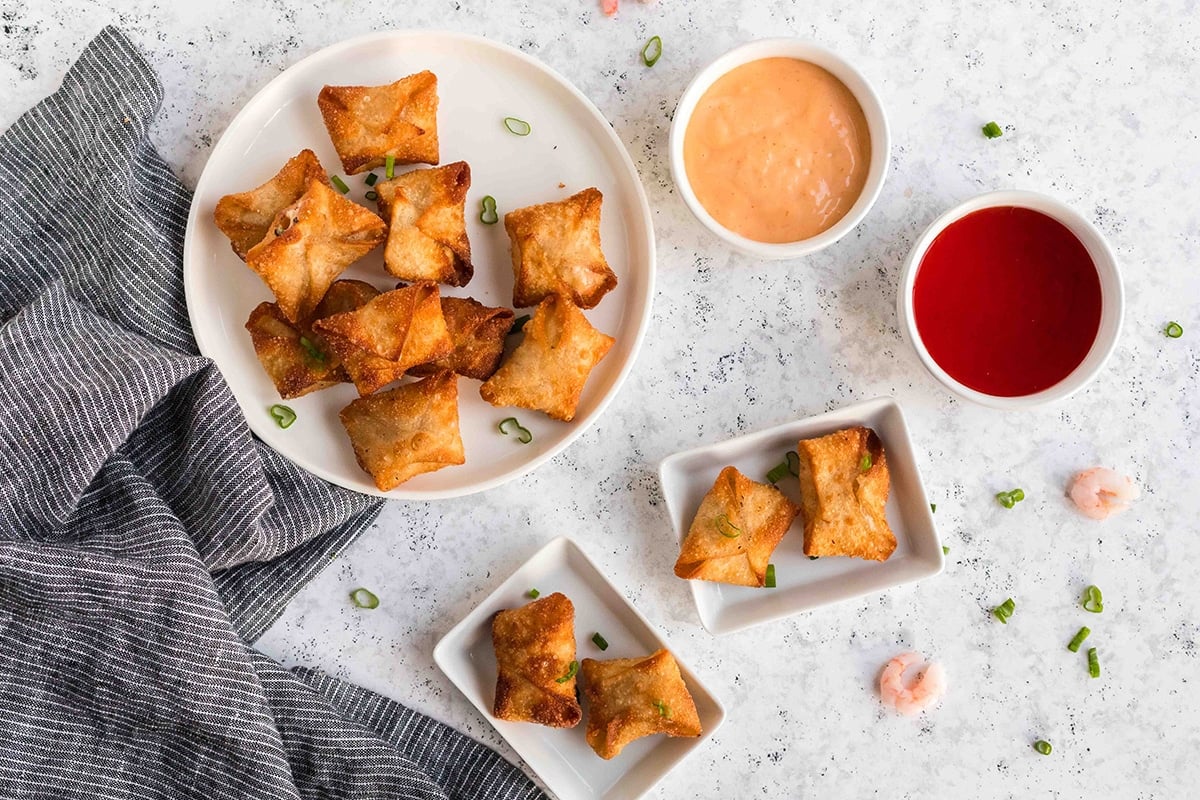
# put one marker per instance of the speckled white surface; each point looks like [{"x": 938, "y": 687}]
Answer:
[{"x": 1101, "y": 109}]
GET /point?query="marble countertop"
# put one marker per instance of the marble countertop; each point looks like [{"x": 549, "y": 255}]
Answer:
[{"x": 1101, "y": 110}]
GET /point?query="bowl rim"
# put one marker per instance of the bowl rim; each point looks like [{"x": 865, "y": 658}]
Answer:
[
  {"x": 843, "y": 70},
  {"x": 1112, "y": 303}
]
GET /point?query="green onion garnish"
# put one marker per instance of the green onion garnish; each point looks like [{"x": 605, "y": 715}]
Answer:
[
  {"x": 339, "y": 184},
  {"x": 518, "y": 127},
  {"x": 1010, "y": 499},
  {"x": 652, "y": 52},
  {"x": 371, "y": 178},
  {"x": 726, "y": 528},
  {"x": 571, "y": 670},
  {"x": 312, "y": 350},
  {"x": 992, "y": 131},
  {"x": 372, "y": 195},
  {"x": 664, "y": 710},
  {"x": 364, "y": 598},
  {"x": 1005, "y": 610},
  {"x": 533, "y": 594},
  {"x": 1093, "y": 601},
  {"x": 813, "y": 558},
  {"x": 1042, "y": 746},
  {"x": 933, "y": 507},
  {"x": 599, "y": 641},
  {"x": 389, "y": 168},
  {"x": 1173, "y": 330},
  {"x": 778, "y": 472},
  {"x": 488, "y": 215},
  {"x": 523, "y": 434},
  {"x": 284, "y": 416},
  {"x": 1093, "y": 663},
  {"x": 1073, "y": 645},
  {"x": 793, "y": 462},
  {"x": 770, "y": 582},
  {"x": 945, "y": 550},
  {"x": 864, "y": 463},
  {"x": 518, "y": 324}
]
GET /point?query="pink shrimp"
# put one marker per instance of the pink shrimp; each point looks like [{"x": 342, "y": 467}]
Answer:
[
  {"x": 1099, "y": 492},
  {"x": 609, "y": 7},
  {"x": 926, "y": 690}
]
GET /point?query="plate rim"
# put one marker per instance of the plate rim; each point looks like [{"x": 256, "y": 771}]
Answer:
[{"x": 578, "y": 426}]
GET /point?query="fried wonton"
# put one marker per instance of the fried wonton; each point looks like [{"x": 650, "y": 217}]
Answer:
[
  {"x": 369, "y": 123},
  {"x": 738, "y": 526},
  {"x": 406, "y": 431},
  {"x": 478, "y": 332},
  {"x": 247, "y": 217},
  {"x": 629, "y": 698},
  {"x": 556, "y": 249},
  {"x": 296, "y": 363},
  {"x": 427, "y": 228},
  {"x": 310, "y": 243},
  {"x": 844, "y": 484},
  {"x": 550, "y": 366},
  {"x": 389, "y": 335},
  {"x": 535, "y": 663}
]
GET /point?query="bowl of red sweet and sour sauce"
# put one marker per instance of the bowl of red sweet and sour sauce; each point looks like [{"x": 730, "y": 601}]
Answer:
[{"x": 1012, "y": 299}]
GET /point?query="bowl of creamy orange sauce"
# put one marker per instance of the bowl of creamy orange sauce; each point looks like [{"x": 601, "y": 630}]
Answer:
[{"x": 780, "y": 147}]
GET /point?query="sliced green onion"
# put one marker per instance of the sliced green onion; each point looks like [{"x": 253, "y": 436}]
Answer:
[
  {"x": 1093, "y": 663},
  {"x": 1005, "y": 610},
  {"x": 793, "y": 462},
  {"x": 372, "y": 195},
  {"x": 283, "y": 416},
  {"x": 571, "y": 670},
  {"x": 770, "y": 582},
  {"x": 1093, "y": 600},
  {"x": 945, "y": 550},
  {"x": 518, "y": 127},
  {"x": 1173, "y": 330},
  {"x": 1073, "y": 645},
  {"x": 992, "y": 131},
  {"x": 389, "y": 168},
  {"x": 523, "y": 434},
  {"x": 1042, "y": 746},
  {"x": 727, "y": 528},
  {"x": 371, "y": 178},
  {"x": 778, "y": 472},
  {"x": 652, "y": 52},
  {"x": 312, "y": 350},
  {"x": 813, "y": 558},
  {"x": 1010, "y": 499},
  {"x": 599, "y": 641},
  {"x": 364, "y": 598},
  {"x": 339, "y": 184},
  {"x": 864, "y": 463},
  {"x": 664, "y": 710},
  {"x": 533, "y": 594},
  {"x": 1017, "y": 495},
  {"x": 488, "y": 215},
  {"x": 933, "y": 507},
  {"x": 518, "y": 324}
]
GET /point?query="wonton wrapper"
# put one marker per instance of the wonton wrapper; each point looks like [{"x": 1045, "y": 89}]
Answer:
[
  {"x": 247, "y": 217},
  {"x": 844, "y": 506},
  {"x": 556, "y": 249},
  {"x": 294, "y": 369},
  {"x": 535, "y": 645},
  {"x": 629, "y": 698},
  {"x": 760, "y": 512},
  {"x": 389, "y": 335},
  {"x": 406, "y": 431},
  {"x": 369, "y": 123},
  {"x": 427, "y": 228},
  {"x": 548, "y": 369},
  {"x": 309, "y": 244},
  {"x": 479, "y": 333}
]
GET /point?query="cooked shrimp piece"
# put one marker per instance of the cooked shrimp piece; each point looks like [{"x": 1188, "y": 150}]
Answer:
[
  {"x": 922, "y": 693},
  {"x": 1099, "y": 492}
]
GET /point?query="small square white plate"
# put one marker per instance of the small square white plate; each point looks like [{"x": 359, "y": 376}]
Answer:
[
  {"x": 801, "y": 583},
  {"x": 561, "y": 757}
]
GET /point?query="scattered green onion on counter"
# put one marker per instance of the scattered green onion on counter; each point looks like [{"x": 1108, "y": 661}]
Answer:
[
  {"x": 727, "y": 528},
  {"x": 523, "y": 434},
  {"x": 933, "y": 507},
  {"x": 1093, "y": 600},
  {"x": 1073, "y": 645},
  {"x": 518, "y": 324},
  {"x": 1173, "y": 330},
  {"x": 770, "y": 581},
  {"x": 283, "y": 415},
  {"x": 571, "y": 670},
  {"x": 652, "y": 52},
  {"x": 1042, "y": 746},
  {"x": 992, "y": 131},
  {"x": 1093, "y": 663},
  {"x": 389, "y": 167},
  {"x": 534, "y": 594},
  {"x": 518, "y": 127},
  {"x": 488, "y": 215},
  {"x": 364, "y": 598},
  {"x": 371, "y": 178},
  {"x": 865, "y": 462},
  {"x": 945, "y": 550},
  {"x": 664, "y": 710},
  {"x": 1005, "y": 610},
  {"x": 1010, "y": 499},
  {"x": 599, "y": 641}
]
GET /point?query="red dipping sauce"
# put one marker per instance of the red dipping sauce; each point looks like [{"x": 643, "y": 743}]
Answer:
[{"x": 1007, "y": 301}]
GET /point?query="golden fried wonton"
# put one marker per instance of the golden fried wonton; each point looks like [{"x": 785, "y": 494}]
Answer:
[
  {"x": 478, "y": 332},
  {"x": 247, "y": 217},
  {"x": 629, "y": 698},
  {"x": 389, "y": 335},
  {"x": 310, "y": 243},
  {"x": 556, "y": 249},
  {"x": 548, "y": 369},
  {"x": 427, "y": 229},
  {"x": 535, "y": 663},
  {"x": 406, "y": 431},
  {"x": 369, "y": 123},
  {"x": 738, "y": 526},
  {"x": 844, "y": 485},
  {"x": 296, "y": 363}
]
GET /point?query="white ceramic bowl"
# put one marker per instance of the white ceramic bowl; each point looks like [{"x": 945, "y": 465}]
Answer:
[
  {"x": 1112, "y": 296},
  {"x": 841, "y": 69}
]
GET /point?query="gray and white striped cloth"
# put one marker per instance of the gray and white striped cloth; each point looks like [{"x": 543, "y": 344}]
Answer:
[{"x": 145, "y": 536}]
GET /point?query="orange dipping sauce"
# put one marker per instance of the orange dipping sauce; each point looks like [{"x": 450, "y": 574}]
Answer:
[{"x": 777, "y": 150}]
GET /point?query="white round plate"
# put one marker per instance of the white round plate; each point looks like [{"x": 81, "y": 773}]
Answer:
[{"x": 480, "y": 83}]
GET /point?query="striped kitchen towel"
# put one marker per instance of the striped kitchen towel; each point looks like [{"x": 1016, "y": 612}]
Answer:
[{"x": 145, "y": 536}]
